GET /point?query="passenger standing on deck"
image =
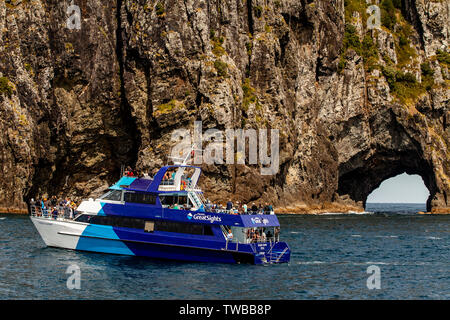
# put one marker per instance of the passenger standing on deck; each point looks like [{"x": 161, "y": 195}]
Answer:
[
  {"x": 254, "y": 208},
  {"x": 44, "y": 205},
  {"x": 269, "y": 235},
  {"x": 229, "y": 235},
  {"x": 263, "y": 236},
  {"x": 245, "y": 208},
  {"x": 229, "y": 205},
  {"x": 54, "y": 213},
  {"x": 260, "y": 209},
  {"x": 129, "y": 172},
  {"x": 54, "y": 201}
]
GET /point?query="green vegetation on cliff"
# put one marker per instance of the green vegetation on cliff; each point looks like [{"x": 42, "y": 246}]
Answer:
[
  {"x": 400, "y": 74},
  {"x": 403, "y": 85},
  {"x": 443, "y": 57},
  {"x": 217, "y": 43},
  {"x": 5, "y": 88},
  {"x": 366, "y": 49},
  {"x": 221, "y": 68},
  {"x": 249, "y": 94},
  {"x": 159, "y": 9}
]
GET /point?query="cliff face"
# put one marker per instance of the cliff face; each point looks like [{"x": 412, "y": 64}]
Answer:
[{"x": 354, "y": 106}]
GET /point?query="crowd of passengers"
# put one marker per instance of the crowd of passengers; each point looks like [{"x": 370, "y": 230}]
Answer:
[
  {"x": 236, "y": 209},
  {"x": 254, "y": 235},
  {"x": 53, "y": 207}
]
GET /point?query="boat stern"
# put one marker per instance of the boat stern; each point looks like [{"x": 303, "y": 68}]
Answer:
[{"x": 269, "y": 253}]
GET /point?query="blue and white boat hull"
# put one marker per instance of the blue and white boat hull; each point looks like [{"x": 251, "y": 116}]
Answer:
[{"x": 107, "y": 239}]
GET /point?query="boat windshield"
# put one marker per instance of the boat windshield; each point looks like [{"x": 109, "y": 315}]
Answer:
[{"x": 115, "y": 195}]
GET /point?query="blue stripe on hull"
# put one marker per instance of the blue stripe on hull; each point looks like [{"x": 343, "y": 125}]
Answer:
[
  {"x": 187, "y": 248},
  {"x": 90, "y": 241},
  {"x": 106, "y": 239},
  {"x": 180, "y": 253}
]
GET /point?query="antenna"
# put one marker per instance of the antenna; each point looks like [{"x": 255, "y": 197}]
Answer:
[{"x": 187, "y": 158}]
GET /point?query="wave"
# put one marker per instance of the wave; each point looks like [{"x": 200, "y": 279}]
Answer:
[{"x": 343, "y": 213}]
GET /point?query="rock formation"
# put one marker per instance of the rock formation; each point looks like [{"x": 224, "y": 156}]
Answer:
[{"x": 354, "y": 105}]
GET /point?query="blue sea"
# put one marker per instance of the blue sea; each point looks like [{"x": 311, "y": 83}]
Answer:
[{"x": 333, "y": 256}]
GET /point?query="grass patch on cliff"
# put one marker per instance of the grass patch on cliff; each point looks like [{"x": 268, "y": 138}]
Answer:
[
  {"x": 427, "y": 76},
  {"x": 354, "y": 6},
  {"x": 168, "y": 107},
  {"x": 159, "y": 9},
  {"x": 443, "y": 57},
  {"x": 221, "y": 68},
  {"x": 388, "y": 18},
  {"x": 249, "y": 96},
  {"x": 404, "y": 85},
  {"x": 5, "y": 88},
  {"x": 365, "y": 49},
  {"x": 216, "y": 43},
  {"x": 405, "y": 53}
]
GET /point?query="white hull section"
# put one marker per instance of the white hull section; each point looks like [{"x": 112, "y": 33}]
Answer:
[{"x": 59, "y": 233}]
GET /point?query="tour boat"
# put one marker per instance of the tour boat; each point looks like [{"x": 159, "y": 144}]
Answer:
[{"x": 164, "y": 217}]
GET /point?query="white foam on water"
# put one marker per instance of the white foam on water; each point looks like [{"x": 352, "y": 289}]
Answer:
[
  {"x": 343, "y": 213},
  {"x": 310, "y": 262},
  {"x": 386, "y": 236}
]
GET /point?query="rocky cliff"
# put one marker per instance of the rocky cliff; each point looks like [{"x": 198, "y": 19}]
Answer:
[{"x": 354, "y": 105}]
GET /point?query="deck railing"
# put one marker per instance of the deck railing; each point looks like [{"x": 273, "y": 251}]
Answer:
[{"x": 57, "y": 212}]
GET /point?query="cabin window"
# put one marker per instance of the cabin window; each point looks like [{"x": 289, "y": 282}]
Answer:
[
  {"x": 149, "y": 226},
  {"x": 171, "y": 199},
  {"x": 83, "y": 218},
  {"x": 115, "y": 195},
  {"x": 146, "y": 198},
  {"x": 179, "y": 227},
  {"x": 167, "y": 200},
  {"x": 117, "y": 221},
  {"x": 207, "y": 231}
]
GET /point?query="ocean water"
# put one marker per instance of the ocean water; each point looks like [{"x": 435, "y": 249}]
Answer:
[{"x": 330, "y": 258}]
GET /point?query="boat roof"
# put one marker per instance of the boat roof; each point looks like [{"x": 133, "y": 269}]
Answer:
[
  {"x": 153, "y": 185},
  {"x": 123, "y": 182}
]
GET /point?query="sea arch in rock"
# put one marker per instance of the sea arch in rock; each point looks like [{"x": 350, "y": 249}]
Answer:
[{"x": 393, "y": 149}]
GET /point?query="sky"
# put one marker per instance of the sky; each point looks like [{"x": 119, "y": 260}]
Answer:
[{"x": 403, "y": 188}]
